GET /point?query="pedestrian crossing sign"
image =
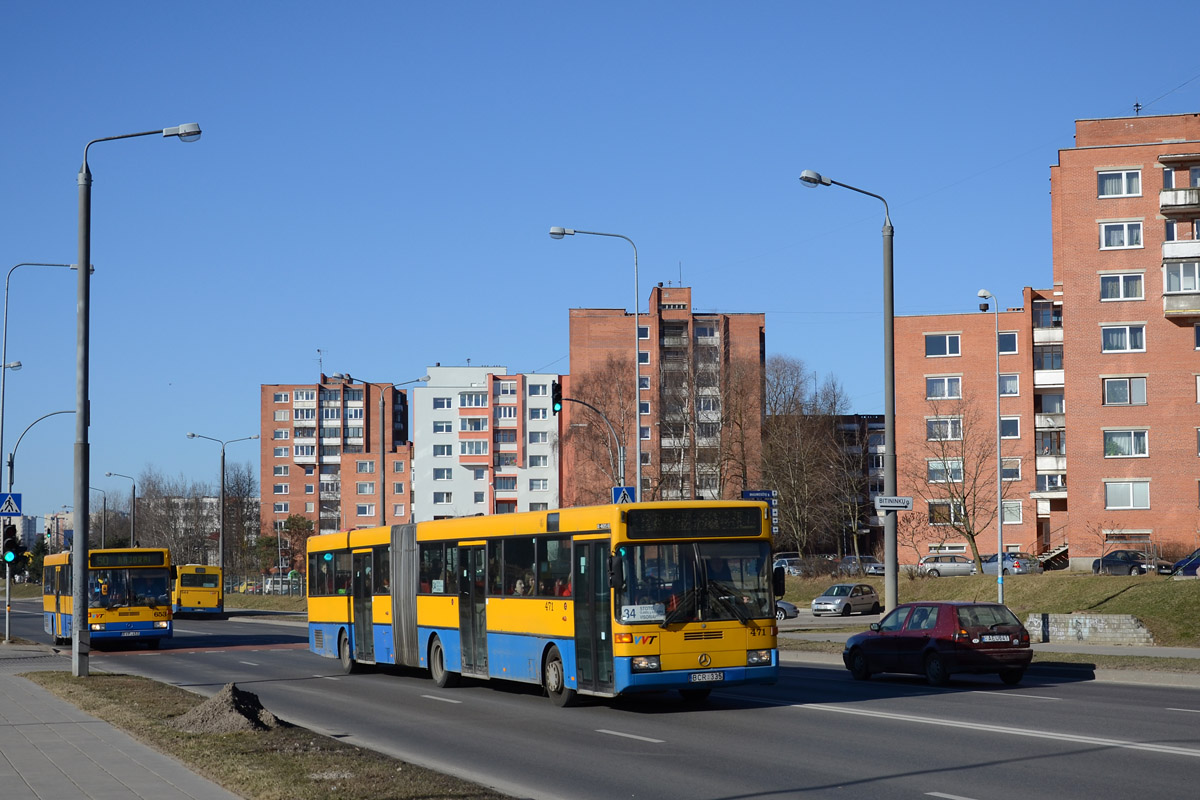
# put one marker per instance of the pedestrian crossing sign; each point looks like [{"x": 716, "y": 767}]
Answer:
[
  {"x": 622, "y": 494},
  {"x": 10, "y": 505}
]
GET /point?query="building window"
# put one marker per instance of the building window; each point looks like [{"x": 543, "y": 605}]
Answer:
[
  {"x": 505, "y": 437},
  {"x": 442, "y": 474},
  {"x": 1050, "y": 481},
  {"x": 708, "y": 403},
  {"x": 1010, "y": 385},
  {"x": 443, "y": 498},
  {"x": 1052, "y": 442},
  {"x": 282, "y": 415},
  {"x": 280, "y": 397},
  {"x": 473, "y": 447},
  {"x": 644, "y": 433},
  {"x": 1124, "y": 391},
  {"x": 945, "y": 512},
  {"x": 1121, "y": 183},
  {"x": 398, "y": 510},
  {"x": 645, "y": 457},
  {"x": 305, "y": 395},
  {"x": 397, "y": 467},
  {"x": 281, "y": 508},
  {"x": 397, "y": 488},
  {"x": 281, "y": 452},
  {"x": 506, "y": 412},
  {"x": 644, "y": 407},
  {"x": 1120, "y": 235},
  {"x": 1127, "y": 494},
  {"x": 310, "y": 488},
  {"x": 1125, "y": 444},
  {"x": 473, "y": 400},
  {"x": 310, "y": 508},
  {"x": 364, "y": 487},
  {"x": 538, "y": 413},
  {"x": 281, "y": 470},
  {"x": 280, "y": 488},
  {"x": 643, "y": 332},
  {"x": 304, "y": 414},
  {"x": 506, "y": 483},
  {"x": 643, "y": 382},
  {"x": 479, "y": 497},
  {"x": 364, "y": 509},
  {"x": 1010, "y": 469},
  {"x": 441, "y": 450},
  {"x": 304, "y": 449},
  {"x": 1010, "y": 427},
  {"x": 442, "y": 426},
  {"x": 945, "y": 470},
  {"x": 353, "y": 414},
  {"x": 1122, "y": 287},
  {"x": 364, "y": 467},
  {"x": 539, "y": 437},
  {"x": 1007, "y": 342},
  {"x": 943, "y": 429},
  {"x": 1123, "y": 339},
  {"x": 508, "y": 389},
  {"x": 941, "y": 344},
  {"x": 473, "y": 424},
  {"x": 643, "y": 357},
  {"x": 944, "y": 388},
  {"x": 282, "y": 433},
  {"x": 538, "y": 390},
  {"x": 479, "y": 473},
  {"x": 1182, "y": 277},
  {"x": 506, "y": 460},
  {"x": 539, "y": 484},
  {"x": 1012, "y": 512},
  {"x": 539, "y": 506},
  {"x": 331, "y": 412},
  {"x": 441, "y": 402},
  {"x": 539, "y": 461},
  {"x": 1047, "y": 356}
]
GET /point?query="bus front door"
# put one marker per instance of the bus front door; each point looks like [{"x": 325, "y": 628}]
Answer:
[
  {"x": 593, "y": 618},
  {"x": 364, "y": 628},
  {"x": 472, "y": 609}
]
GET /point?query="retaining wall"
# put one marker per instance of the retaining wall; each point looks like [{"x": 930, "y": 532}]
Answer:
[{"x": 1121, "y": 629}]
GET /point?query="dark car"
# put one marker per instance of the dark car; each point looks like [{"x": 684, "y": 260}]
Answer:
[
  {"x": 785, "y": 610},
  {"x": 1129, "y": 562},
  {"x": 1187, "y": 565},
  {"x": 859, "y": 565},
  {"x": 940, "y": 639}
]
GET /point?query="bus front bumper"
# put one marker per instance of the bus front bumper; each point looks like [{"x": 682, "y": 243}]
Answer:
[{"x": 629, "y": 682}]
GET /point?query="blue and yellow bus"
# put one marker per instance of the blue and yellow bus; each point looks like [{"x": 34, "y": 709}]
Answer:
[
  {"x": 197, "y": 589},
  {"x": 604, "y": 600},
  {"x": 129, "y": 595}
]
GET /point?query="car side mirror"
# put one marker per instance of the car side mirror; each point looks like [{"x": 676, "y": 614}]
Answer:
[{"x": 875, "y": 627}]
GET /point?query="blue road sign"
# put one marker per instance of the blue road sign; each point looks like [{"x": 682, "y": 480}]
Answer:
[
  {"x": 622, "y": 494},
  {"x": 10, "y": 505},
  {"x": 769, "y": 496}
]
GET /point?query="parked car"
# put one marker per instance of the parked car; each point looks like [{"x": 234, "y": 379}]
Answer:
[
  {"x": 940, "y": 639},
  {"x": 845, "y": 599},
  {"x": 785, "y": 610},
  {"x": 936, "y": 566},
  {"x": 791, "y": 566},
  {"x": 1187, "y": 565},
  {"x": 1014, "y": 564},
  {"x": 859, "y": 565},
  {"x": 1130, "y": 562}
]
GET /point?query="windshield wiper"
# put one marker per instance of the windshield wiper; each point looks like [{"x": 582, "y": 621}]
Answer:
[
  {"x": 687, "y": 603},
  {"x": 728, "y": 601}
]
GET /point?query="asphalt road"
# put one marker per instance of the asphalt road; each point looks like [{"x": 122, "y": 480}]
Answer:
[{"x": 817, "y": 733}]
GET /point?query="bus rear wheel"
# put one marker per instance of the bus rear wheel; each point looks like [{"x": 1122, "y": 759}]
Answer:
[
  {"x": 443, "y": 677},
  {"x": 555, "y": 680},
  {"x": 349, "y": 666}
]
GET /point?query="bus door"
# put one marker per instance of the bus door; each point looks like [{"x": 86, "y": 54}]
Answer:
[
  {"x": 364, "y": 629},
  {"x": 472, "y": 609},
  {"x": 593, "y": 618}
]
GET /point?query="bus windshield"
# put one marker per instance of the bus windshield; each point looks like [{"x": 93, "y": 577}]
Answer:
[
  {"x": 668, "y": 583},
  {"x": 113, "y": 588}
]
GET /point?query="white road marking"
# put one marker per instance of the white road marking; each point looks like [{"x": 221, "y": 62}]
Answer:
[
  {"x": 1188, "y": 710},
  {"x": 327, "y": 677},
  {"x": 631, "y": 736},
  {"x": 248, "y": 663},
  {"x": 948, "y": 796},
  {"x": 441, "y": 699},
  {"x": 1015, "y": 694},
  {"x": 191, "y": 632}
]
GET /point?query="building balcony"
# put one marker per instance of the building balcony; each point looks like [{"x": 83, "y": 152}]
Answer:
[
  {"x": 1179, "y": 201},
  {"x": 1183, "y": 306},
  {"x": 675, "y": 341},
  {"x": 305, "y": 459},
  {"x": 1051, "y": 463},
  {"x": 1047, "y": 378},
  {"x": 1047, "y": 335},
  {"x": 1041, "y": 421},
  {"x": 1189, "y": 249},
  {"x": 1052, "y": 494}
]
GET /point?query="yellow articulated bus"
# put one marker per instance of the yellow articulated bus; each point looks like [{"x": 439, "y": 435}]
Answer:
[
  {"x": 197, "y": 589},
  {"x": 128, "y": 592},
  {"x": 604, "y": 601}
]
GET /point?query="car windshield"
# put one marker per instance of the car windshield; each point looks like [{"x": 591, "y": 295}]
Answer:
[
  {"x": 668, "y": 583},
  {"x": 840, "y": 590}
]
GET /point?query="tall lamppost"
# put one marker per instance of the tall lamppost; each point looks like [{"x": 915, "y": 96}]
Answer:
[
  {"x": 890, "y": 568},
  {"x": 13, "y": 455},
  {"x": 382, "y": 464},
  {"x": 558, "y": 233},
  {"x": 103, "y": 512},
  {"x": 984, "y": 294},
  {"x": 132, "y": 506},
  {"x": 80, "y": 637},
  {"x": 221, "y": 535}
]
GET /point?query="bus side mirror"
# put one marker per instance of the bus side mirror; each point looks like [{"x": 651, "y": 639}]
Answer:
[
  {"x": 778, "y": 582},
  {"x": 174, "y": 573},
  {"x": 616, "y": 572}
]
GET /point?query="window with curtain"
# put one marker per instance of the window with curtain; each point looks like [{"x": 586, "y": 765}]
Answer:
[
  {"x": 1183, "y": 277},
  {"x": 1010, "y": 385},
  {"x": 1123, "y": 338}
]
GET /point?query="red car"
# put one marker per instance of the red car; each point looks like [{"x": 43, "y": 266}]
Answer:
[{"x": 940, "y": 639}]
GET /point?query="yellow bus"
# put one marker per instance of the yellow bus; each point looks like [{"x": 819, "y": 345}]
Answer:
[
  {"x": 128, "y": 595},
  {"x": 604, "y": 600},
  {"x": 197, "y": 589}
]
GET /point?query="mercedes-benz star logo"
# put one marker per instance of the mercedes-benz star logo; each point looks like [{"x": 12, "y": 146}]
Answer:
[{"x": 705, "y": 659}]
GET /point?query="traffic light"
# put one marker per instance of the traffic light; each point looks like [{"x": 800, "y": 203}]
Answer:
[
  {"x": 12, "y": 545},
  {"x": 556, "y": 396}
]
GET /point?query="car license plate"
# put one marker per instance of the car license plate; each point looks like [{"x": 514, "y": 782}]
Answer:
[
  {"x": 702, "y": 677},
  {"x": 993, "y": 637},
  {"x": 129, "y": 633}
]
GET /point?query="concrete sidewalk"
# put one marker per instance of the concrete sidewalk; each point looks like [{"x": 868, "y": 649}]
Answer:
[{"x": 50, "y": 750}]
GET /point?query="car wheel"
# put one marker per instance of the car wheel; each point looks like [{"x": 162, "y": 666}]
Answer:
[
  {"x": 1096, "y": 570},
  {"x": 1012, "y": 677},
  {"x": 815, "y": 614},
  {"x": 846, "y": 610},
  {"x": 349, "y": 666},
  {"x": 555, "y": 680},
  {"x": 1006, "y": 572},
  {"x": 1134, "y": 571},
  {"x": 935, "y": 670},
  {"x": 875, "y": 608},
  {"x": 858, "y": 666},
  {"x": 933, "y": 573},
  {"x": 780, "y": 614},
  {"x": 443, "y": 677}
]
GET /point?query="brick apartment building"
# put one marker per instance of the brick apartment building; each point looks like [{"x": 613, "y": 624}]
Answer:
[
  {"x": 699, "y": 401},
  {"x": 1123, "y": 379},
  {"x": 320, "y": 454}
]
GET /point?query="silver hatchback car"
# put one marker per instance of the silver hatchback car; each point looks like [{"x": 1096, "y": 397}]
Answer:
[
  {"x": 1014, "y": 564},
  {"x": 936, "y": 566},
  {"x": 845, "y": 599}
]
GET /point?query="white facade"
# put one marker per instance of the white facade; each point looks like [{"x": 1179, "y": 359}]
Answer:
[{"x": 484, "y": 442}]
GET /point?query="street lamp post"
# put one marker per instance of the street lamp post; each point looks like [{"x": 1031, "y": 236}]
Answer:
[
  {"x": 13, "y": 455},
  {"x": 80, "y": 637},
  {"x": 558, "y": 233},
  {"x": 103, "y": 512},
  {"x": 984, "y": 294},
  {"x": 890, "y": 567},
  {"x": 221, "y": 510},
  {"x": 132, "y": 506},
  {"x": 382, "y": 463}
]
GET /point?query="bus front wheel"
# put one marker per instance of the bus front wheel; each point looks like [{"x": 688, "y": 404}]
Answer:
[
  {"x": 443, "y": 677},
  {"x": 349, "y": 666},
  {"x": 555, "y": 679}
]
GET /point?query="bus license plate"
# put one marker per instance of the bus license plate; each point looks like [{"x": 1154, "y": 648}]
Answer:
[
  {"x": 702, "y": 677},
  {"x": 129, "y": 633}
]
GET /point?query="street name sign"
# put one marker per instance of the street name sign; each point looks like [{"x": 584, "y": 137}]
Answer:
[{"x": 885, "y": 503}]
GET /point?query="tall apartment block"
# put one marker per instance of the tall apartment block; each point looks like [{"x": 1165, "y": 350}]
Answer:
[
  {"x": 335, "y": 452},
  {"x": 699, "y": 404},
  {"x": 485, "y": 442}
]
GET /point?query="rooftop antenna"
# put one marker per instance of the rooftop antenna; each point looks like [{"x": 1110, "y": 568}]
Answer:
[
  {"x": 1137, "y": 108},
  {"x": 320, "y": 361},
  {"x": 681, "y": 272}
]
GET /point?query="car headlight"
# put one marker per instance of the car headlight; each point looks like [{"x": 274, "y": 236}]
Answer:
[
  {"x": 755, "y": 658},
  {"x": 644, "y": 664}
]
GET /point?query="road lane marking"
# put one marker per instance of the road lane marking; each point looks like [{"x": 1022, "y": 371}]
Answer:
[
  {"x": 328, "y": 677},
  {"x": 441, "y": 699},
  {"x": 631, "y": 736},
  {"x": 948, "y": 796},
  {"x": 248, "y": 663},
  {"x": 1015, "y": 694},
  {"x": 1188, "y": 710}
]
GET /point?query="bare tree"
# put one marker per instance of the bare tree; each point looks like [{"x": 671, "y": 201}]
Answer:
[
  {"x": 588, "y": 439},
  {"x": 172, "y": 513},
  {"x": 242, "y": 516}
]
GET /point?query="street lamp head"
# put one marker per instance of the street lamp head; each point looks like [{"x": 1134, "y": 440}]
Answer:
[
  {"x": 13, "y": 365},
  {"x": 108, "y": 474},
  {"x": 810, "y": 178},
  {"x": 984, "y": 293},
  {"x": 188, "y": 132},
  {"x": 190, "y": 436},
  {"x": 558, "y": 233},
  {"x": 255, "y": 436}
]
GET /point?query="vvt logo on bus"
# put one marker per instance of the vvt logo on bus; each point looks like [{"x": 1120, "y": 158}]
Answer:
[{"x": 649, "y": 639}]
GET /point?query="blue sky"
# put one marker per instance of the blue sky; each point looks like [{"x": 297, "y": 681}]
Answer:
[{"x": 376, "y": 180}]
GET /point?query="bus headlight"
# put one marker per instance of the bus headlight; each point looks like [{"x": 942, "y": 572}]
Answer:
[
  {"x": 97, "y": 626},
  {"x": 644, "y": 664},
  {"x": 161, "y": 623},
  {"x": 756, "y": 658}
]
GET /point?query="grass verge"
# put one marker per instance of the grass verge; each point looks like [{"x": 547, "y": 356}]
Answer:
[{"x": 284, "y": 763}]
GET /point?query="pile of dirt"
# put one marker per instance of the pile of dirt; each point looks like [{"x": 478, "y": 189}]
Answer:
[{"x": 230, "y": 710}]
